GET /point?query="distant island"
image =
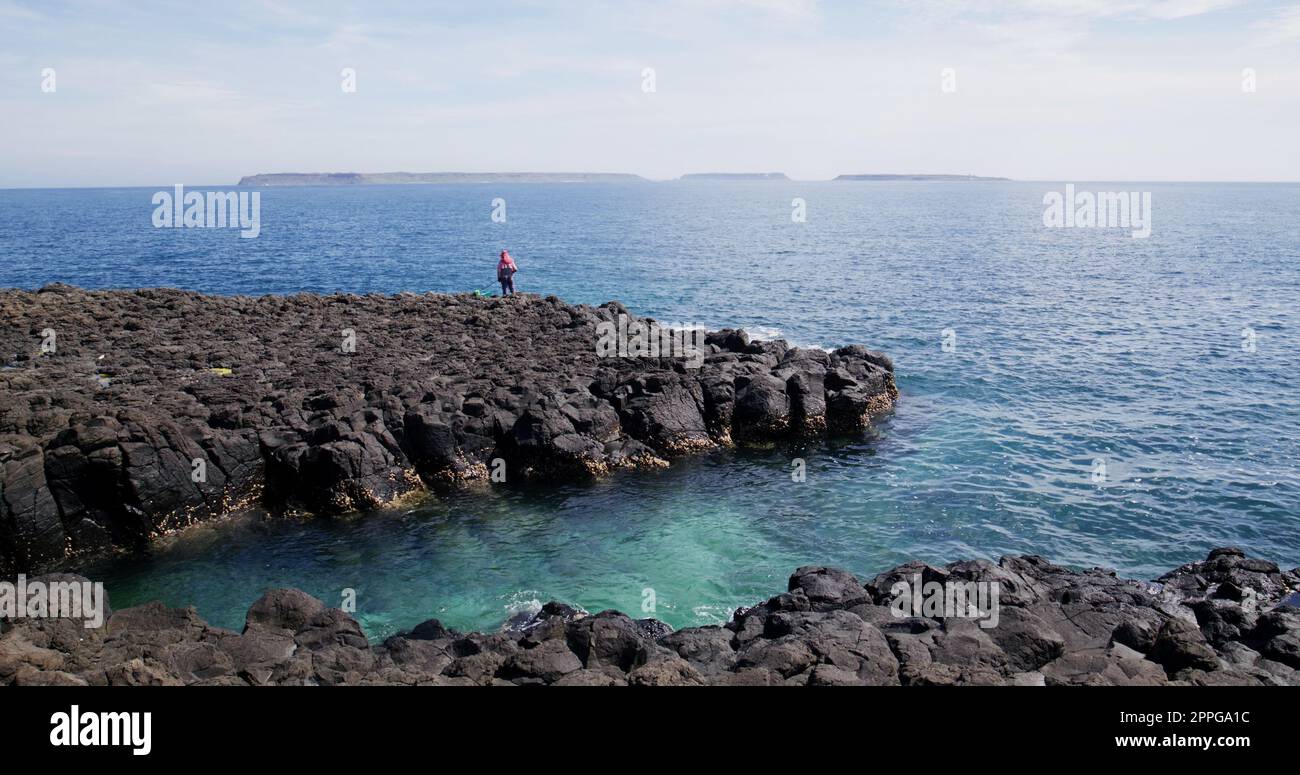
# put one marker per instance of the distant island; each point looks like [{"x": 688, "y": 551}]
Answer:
[
  {"x": 380, "y": 178},
  {"x": 391, "y": 178},
  {"x": 915, "y": 177},
  {"x": 735, "y": 176}
]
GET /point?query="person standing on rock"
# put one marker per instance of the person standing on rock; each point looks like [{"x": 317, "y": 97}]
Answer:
[{"x": 506, "y": 273}]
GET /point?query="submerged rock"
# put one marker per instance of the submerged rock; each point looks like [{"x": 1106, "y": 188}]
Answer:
[
  {"x": 1061, "y": 627},
  {"x": 129, "y": 414}
]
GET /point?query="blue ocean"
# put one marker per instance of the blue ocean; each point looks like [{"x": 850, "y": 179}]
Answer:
[{"x": 1078, "y": 393}]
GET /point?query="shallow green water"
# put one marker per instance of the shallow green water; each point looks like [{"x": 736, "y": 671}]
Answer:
[{"x": 1072, "y": 346}]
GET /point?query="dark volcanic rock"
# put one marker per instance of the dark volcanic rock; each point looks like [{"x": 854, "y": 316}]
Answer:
[
  {"x": 1062, "y": 627},
  {"x": 128, "y": 414},
  {"x": 283, "y": 609},
  {"x": 1180, "y": 644}
]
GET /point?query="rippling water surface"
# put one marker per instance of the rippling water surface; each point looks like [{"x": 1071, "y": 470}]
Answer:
[{"x": 1073, "y": 346}]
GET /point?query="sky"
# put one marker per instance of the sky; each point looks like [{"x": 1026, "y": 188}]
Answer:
[{"x": 154, "y": 94}]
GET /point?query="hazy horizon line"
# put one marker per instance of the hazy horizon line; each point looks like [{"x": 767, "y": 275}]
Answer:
[{"x": 645, "y": 179}]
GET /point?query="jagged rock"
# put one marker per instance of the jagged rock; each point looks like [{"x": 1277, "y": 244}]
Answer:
[
  {"x": 829, "y": 588},
  {"x": 708, "y": 649},
  {"x": 666, "y": 670},
  {"x": 255, "y": 653},
  {"x": 1065, "y": 628},
  {"x": 16, "y": 653},
  {"x": 283, "y": 609},
  {"x": 586, "y": 677},
  {"x": 608, "y": 639},
  {"x": 1137, "y": 634},
  {"x": 1278, "y": 635},
  {"x": 160, "y": 408},
  {"x": 546, "y": 663},
  {"x": 1028, "y": 641},
  {"x": 1181, "y": 645},
  {"x": 430, "y": 630},
  {"x": 1098, "y": 667}
]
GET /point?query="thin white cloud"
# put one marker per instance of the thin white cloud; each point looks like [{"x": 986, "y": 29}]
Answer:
[
  {"x": 196, "y": 92},
  {"x": 1282, "y": 27},
  {"x": 1178, "y": 9},
  {"x": 1097, "y": 9},
  {"x": 801, "y": 8},
  {"x": 13, "y": 11},
  {"x": 1045, "y": 90}
]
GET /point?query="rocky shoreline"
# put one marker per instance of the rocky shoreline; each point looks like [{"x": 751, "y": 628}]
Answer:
[
  {"x": 1230, "y": 619},
  {"x": 125, "y": 415}
]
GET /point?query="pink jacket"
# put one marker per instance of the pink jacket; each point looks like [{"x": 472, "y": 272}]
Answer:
[{"x": 506, "y": 266}]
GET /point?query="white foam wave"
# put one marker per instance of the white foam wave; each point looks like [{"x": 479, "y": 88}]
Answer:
[{"x": 769, "y": 333}]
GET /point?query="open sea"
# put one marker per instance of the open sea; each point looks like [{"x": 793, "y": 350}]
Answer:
[{"x": 1072, "y": 392}]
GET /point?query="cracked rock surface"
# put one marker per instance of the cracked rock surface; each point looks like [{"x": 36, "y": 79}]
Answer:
[{"x": 128, "y": 414}]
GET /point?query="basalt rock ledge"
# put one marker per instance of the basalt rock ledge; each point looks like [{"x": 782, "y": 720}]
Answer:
[
  {"x": 125, "y": 415},
  {"x": 1229, "y": 619}
]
